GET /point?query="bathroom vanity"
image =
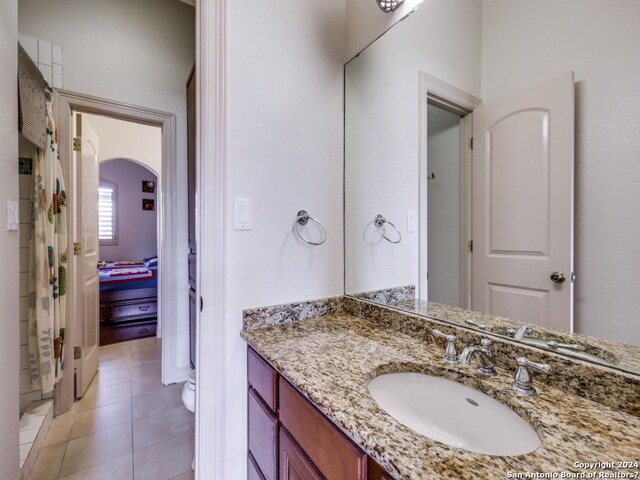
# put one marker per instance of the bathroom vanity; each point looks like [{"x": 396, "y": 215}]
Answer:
[{"x": 311, "y": 414}]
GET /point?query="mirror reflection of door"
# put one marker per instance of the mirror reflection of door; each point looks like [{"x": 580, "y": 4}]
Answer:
[
  {"x": 523, "y": 205},
  {"x": 521, "y": 212},
  {"x": 444, "y": 207}
]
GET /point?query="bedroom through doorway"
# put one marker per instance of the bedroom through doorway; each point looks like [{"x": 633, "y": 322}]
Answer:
[{"x": 129, "y": 169}]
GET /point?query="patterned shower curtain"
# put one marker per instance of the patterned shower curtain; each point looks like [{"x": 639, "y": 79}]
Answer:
[{"x": 47, "y": 265}]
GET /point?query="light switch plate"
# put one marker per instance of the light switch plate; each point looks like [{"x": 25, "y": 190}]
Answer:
[
  {"x": 13, "y": 222},
  {"x": 242, "y": 213},
  {"x": 412, "y": 221}
]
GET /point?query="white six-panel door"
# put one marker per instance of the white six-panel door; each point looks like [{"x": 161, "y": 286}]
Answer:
[{"x": 523, "y": 205}]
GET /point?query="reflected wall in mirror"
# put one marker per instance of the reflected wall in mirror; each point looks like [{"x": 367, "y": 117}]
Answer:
[{"x": 490, "y": 237}]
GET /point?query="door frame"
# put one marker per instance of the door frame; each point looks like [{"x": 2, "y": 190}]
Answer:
[
  {"x": 65, "y": 103},
  {"x": 212, "y": 331},
  {"x": 433, "y": 91}
]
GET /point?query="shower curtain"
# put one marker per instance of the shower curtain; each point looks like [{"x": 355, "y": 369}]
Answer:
[{"x": 47, "y": 265}]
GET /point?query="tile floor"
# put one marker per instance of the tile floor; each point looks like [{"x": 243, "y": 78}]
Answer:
[{"x": 127, "y": 426}]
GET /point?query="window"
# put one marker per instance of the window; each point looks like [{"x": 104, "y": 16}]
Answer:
[{"x": 107, "y": 209}]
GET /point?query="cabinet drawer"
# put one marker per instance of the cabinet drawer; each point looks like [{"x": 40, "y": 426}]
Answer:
[
  {"x": 294, "y": 463},
  {"x": 134, "y": 310},
  {"x": 263, "y": 426},
  {"x": 115, "y": 334},
  {"x": 253, "y": 472},
  {"x": 262, "y": 378},
  {"x": 329, "y": 449}
]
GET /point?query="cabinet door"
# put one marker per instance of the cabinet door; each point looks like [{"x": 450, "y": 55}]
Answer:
[
  {"x": 376, "y": 472},
  {"x": 336, "y": 456},
  {"x": 294, "y": 464}
]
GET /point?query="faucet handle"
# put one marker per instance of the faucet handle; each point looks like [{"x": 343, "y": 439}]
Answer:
[
  {"x": 485, "y": 343},
  {"x": 522, "y": 382},
  {"x": 450, "y": 353}
]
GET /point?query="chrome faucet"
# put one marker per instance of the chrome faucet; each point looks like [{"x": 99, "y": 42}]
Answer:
[
  {"x": 484, "y": 356},
  {"x": 450, "y": 353},
  {"x": 520, "y": 332},
  {"x": 522, "y": 381}
]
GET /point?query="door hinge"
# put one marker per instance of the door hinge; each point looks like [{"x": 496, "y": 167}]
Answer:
[
  {"x": 201, "y": 304},
  {"x": 77, "y": 249},
  {"x": 572, "y": 277},
  {"x": 471, "y": 143},
  {"x": 471, "y": 246},
  {"x": 77, "y": 144},
  {"x": 77, "y": 353}
]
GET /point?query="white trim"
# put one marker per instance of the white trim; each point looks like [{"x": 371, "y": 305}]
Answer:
[
  {"x": 434, "y": 91},
  {"x": 182, "y": 373},
  {"x": 445, "y": 95},
  {"x": 210, "y": 231},
  {"x": 67, "y": 102}
]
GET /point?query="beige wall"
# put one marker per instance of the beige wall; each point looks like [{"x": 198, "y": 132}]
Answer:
[
  {"x": 137, "y": 228},
  {"x": 135, "y": 141},
  {"x": 284, "y": 150},
  {"x": 525, "y": 42},
  {"x": 9, "y": 242}
]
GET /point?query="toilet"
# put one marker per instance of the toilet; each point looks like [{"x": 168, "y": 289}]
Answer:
[
  {"x": 189, "y": 392},
  {"x": 189, "y": 398}
]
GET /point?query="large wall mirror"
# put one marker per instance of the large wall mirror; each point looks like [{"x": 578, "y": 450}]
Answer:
[{"x": 490, "y": 152}]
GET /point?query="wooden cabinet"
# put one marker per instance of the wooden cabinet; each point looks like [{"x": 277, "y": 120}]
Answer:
[
  {"x": 294, "y": 463},
  {"x": 376, "y": 472},
  {"x": 262, "y": 378},
  {"x": 330, "y": 450},
  {"x": 253, "y": 472},
  {"x": 127, "y": 315},
  {"x": 290, "y": 439},
  {"x": 263, "y": 431}
]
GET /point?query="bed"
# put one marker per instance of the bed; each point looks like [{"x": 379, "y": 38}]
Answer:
[{"x": 128, "y": 299}]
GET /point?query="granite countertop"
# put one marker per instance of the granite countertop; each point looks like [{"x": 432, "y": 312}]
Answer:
[{"x": 330, "y": 360}]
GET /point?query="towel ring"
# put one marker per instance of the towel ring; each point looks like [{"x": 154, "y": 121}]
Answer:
[
  {"x": 379, "y": 221},
  {"x": 302, "y": 218}
]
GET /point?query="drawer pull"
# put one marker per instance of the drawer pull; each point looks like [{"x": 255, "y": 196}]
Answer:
[
  {"x": 143, "y": 331},
  {"x": 143, "y": 308}
]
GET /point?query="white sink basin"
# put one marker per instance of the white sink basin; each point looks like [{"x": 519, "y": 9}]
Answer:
[{"x": 454, "y": 414}]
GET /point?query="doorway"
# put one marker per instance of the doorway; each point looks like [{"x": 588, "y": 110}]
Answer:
[
  {"x": 446, "y": 127},
  {"x": 128, "y": 265},
  {"x": 445, "y": 219},
  {"x": 69, "y": 103}
]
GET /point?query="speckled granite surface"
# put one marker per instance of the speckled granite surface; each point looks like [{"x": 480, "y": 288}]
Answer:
[
  {"x": 617, "y": 355},
  {"x": 405, "y": 295},
  {"x": 290, "y": 312},
  {"x": 330, "y": 359}
]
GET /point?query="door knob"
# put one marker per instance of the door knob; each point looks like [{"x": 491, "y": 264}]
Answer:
[{"x": 558, "y": 277}]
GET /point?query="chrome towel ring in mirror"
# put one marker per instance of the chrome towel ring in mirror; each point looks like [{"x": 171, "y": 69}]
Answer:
[
  {"x": 379, "y": 221},
  {"x": 303, "y": 218}
]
